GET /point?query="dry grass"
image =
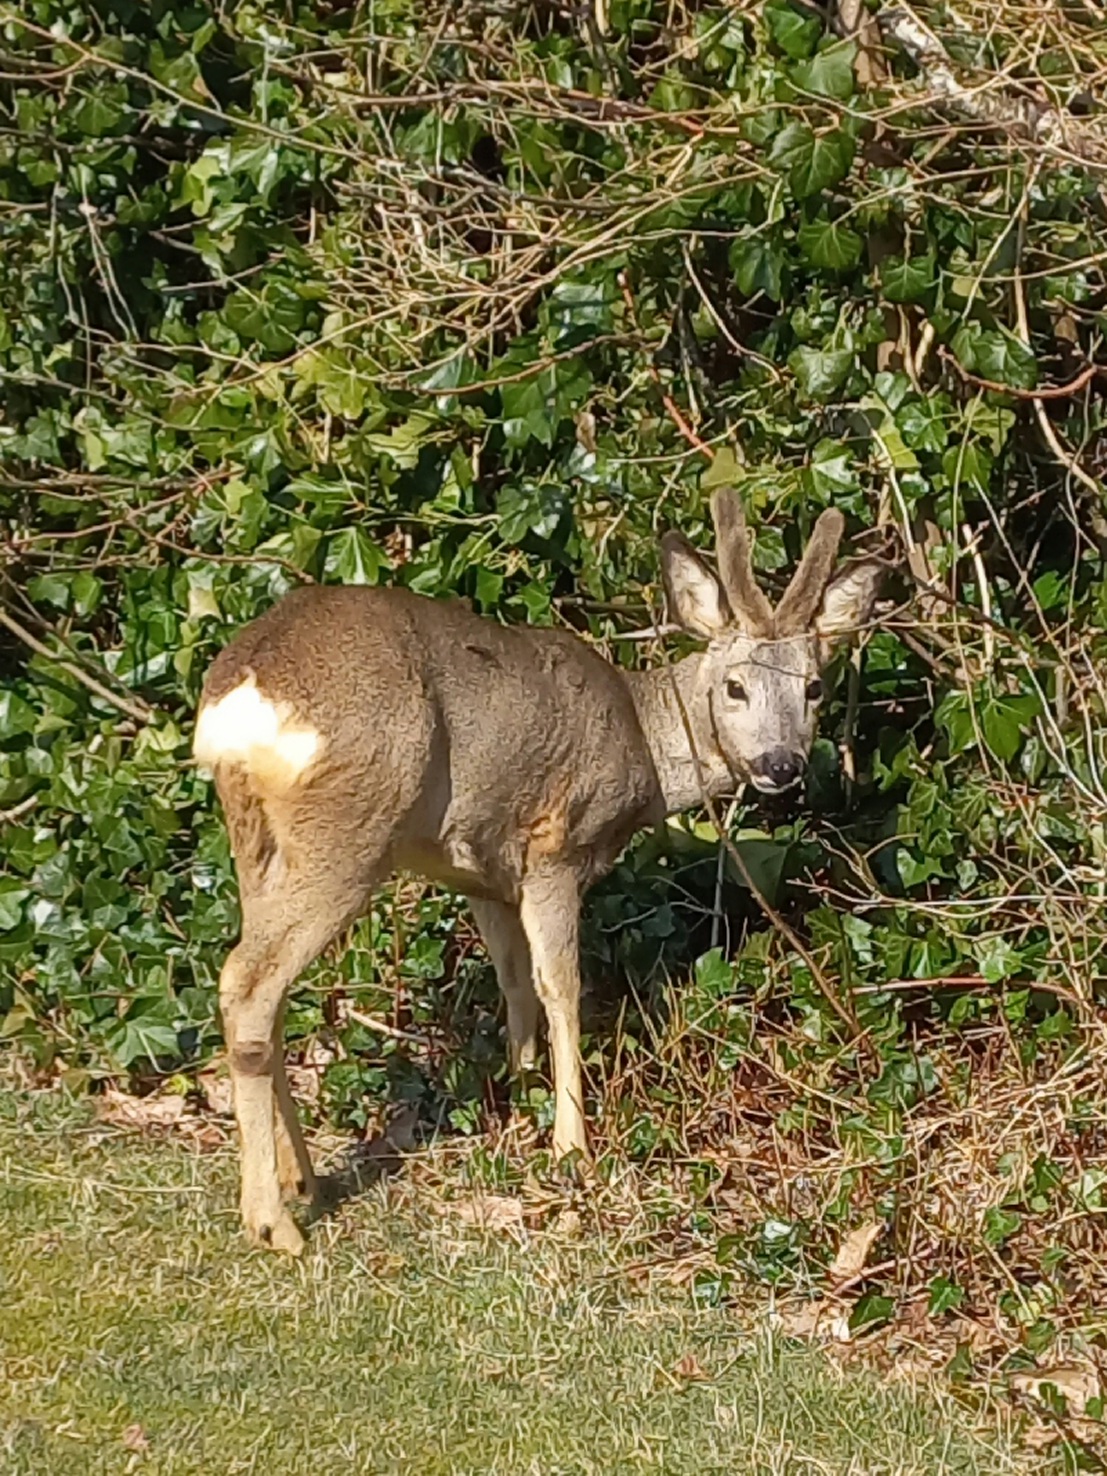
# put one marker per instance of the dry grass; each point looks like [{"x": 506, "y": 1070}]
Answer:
[{"x": 140, "y": 1335}]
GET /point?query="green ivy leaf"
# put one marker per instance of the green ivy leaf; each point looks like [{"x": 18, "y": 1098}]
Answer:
[
  {"x": 995, "y": 355},
  {"x": 758, "y": 266},
  {"x": 925, "y": 424},
  {"x": 830, "y": 245},
  {"x": 764, "y": 861},
  {"x": 907, "y": 279},
  {"x": 537, "y": 509},
  {"x": 1004, "y": 720},
  {"x": 714, "y": 974},
  {"x": 672, "y": 94},
  {"x": 535, "y": 406},
  {"x": 969, "y": 462},
  {"x": 353, "y": 558},
  {"x": 16, "y": 716},
  {"x": 997, "y": 959},
  {"x": 403, "y": 443},
  {"x": 944, "y": 1296},
  {"x": 12, "y": 897},
  {"x": 101, "y": 110},
  {"x": 820, "y": 372},
  {"x": 832, "y": 474},
  {"x": 724, "y": 471},
  {"x": 829, "y": 73},
  {"x": 871, "y": 1309},
  {"x": 1000, "y": 1224},
  {"x": 796, "y": 32},
  {"x": 1052, "y": 589},
  {"x": 143, "y": 1039},
  {"x": 812, "y": 162}
]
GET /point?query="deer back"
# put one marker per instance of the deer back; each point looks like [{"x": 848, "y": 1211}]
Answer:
[{"x": 493, "y": 749}]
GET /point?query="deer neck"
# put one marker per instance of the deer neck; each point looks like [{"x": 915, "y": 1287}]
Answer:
[{"x": 675, "y": 716}]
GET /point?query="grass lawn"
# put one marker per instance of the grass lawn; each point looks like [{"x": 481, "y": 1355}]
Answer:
[{"x": 138, "y": 1333}]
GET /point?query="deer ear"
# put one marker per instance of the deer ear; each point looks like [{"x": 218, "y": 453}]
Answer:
[
  {"x": 696, "y": 599},
  {"x": 848, "y": 601},
  {"x": 748, "y": 603}
]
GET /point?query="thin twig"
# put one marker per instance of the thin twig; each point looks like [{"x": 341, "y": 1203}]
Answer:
[
  {"x": 674, "y": 411},
  {"x": 382, "y": 1027},
  {"x": 133, "y": 705},
  {"x": 1047, "y": 392},
  {"x": 24, "y": 807}
]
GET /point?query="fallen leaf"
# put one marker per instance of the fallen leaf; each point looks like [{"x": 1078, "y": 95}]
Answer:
[
  {"x": 1040, "y": 1437},
  {"x": 491, "y": 1211},
  {"x": 568, "y": 1223},
  {"x": 122, "y": 1110},
  {"x": 216, "y": 1090},
  {"x": 206, "y": 1137},
  {"x": 803, "y": 1321},
  {"x": 684, "y": 1272},
  {"x": 912, "y": 1368},
  {"x": 689, "y": 1369},
  {"x": 854, "y": 1252},
  {"x": 1076, "y": 1382},
  {"x": 840, "y": 1329},
  {"x": 820, "y": 1319},
  {"x": 134, "y": 1438},
  {"x": 978, "y": 1337},
  {"x": 304, "y": 1083}
]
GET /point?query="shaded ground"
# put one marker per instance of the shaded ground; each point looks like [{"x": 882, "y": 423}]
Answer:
[{"x": 139, "y": 1334}]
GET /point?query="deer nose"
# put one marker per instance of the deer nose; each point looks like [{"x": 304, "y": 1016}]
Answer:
[{"x": 779, "y": 769}]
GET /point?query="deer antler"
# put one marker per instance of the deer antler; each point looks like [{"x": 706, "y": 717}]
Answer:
[
  {"x": 748, "y": 602},
  {"x": 798, "y": 604}
]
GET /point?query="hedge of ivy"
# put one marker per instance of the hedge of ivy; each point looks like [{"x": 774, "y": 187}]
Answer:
[{"x": 476, "y": 300}]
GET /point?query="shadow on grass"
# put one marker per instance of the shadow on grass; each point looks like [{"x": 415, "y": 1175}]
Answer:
[{"x": 364, "y": 1165}]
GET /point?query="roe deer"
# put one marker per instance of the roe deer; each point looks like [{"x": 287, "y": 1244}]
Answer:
[{"x": 353, "y": 731}]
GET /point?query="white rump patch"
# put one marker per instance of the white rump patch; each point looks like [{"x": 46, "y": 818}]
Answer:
[{"x": 246, "y": 727}]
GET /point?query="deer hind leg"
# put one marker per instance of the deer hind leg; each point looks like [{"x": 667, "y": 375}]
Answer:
[
  {"x": 509, "y": 951},
  {"x": 282, "y": 933},
  {"x": 550, "y": 915},
  {"x": 294, "y": 1170},
  {"x": 251, "y": 995}
]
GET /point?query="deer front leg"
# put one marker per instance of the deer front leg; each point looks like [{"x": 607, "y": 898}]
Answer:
[
  {"x": 507, "y": 948},
  {"x": 550, "y": 915}
]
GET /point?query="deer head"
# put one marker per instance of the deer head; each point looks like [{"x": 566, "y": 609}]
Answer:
[{"x": 761, "y": 675}]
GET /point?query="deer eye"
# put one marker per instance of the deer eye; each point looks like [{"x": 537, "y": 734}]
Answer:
[
  {"x": 735, "y": 691},
  {"x": 814, "y": 691}
]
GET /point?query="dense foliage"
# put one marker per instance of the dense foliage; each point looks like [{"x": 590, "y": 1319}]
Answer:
[{"x": 477, "y": 299}]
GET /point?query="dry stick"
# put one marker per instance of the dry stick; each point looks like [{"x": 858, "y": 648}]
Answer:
[
  {"x": 713, "y": 312},
  {"x": 856, "y": 24},
  {"x": 968, "y": 981},
  {"x": 666, "y": 399},
  {"x": 1057, "y": 132},
  {"x": 853, "y": 700},
  {"x": 132, "y": 705},
  {"x": 1044, "y": 423},
  {"x": 720, "y": 873},
  {"x": 972, "y": 548},
  {"x": 24, "y": 807},
  {"x": 382, "y": 1027},
  {"x": 1047, "y": 392}
]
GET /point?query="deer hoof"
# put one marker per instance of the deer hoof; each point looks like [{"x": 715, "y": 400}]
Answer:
[
  {"x": 572, "y": 1157},
  {"x": 276, "y": 1232}
]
